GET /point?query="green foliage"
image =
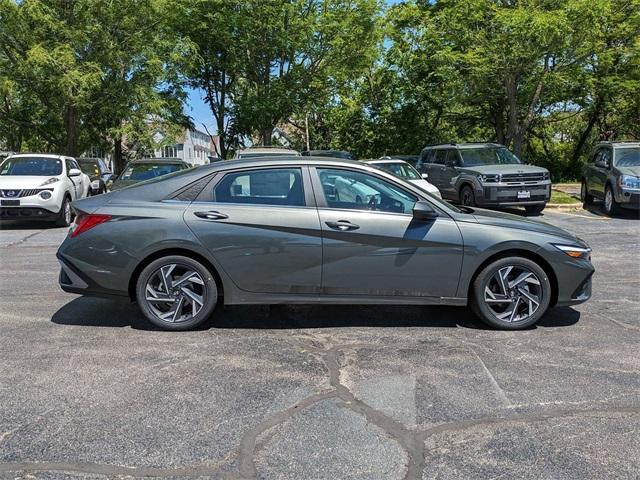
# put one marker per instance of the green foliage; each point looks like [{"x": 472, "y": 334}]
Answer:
[{"x": 546, "y": 78}]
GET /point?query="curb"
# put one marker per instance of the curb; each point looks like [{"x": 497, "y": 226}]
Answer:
[{"x": 563, "y": 206}]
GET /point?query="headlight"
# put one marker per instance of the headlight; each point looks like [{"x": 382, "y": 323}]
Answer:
[
  {"x": 50, "y": 181},
  {"x": 575, "y": 251},
  {"x": 489, "y": 178},
  {"x": 45, "y": 194},
  {"x": 629, "y": 181}
]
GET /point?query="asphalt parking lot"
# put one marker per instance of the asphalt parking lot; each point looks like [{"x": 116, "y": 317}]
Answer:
[{"x": 89, "y": 389}]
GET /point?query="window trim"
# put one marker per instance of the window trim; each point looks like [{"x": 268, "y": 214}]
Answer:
[
  {"x": 321, "y": 200},
  {"x": 206, "y": 195}
]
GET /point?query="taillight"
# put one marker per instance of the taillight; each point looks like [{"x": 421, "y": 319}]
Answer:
[{"x": 87, "y": 222}]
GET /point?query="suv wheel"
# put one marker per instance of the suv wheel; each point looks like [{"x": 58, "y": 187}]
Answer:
[
  {"x": 467, "y": 198},
  {"x": 610, "y": 205},
  {"x": 511, "y": 293},
  {"x": 65, "y": 215},
  {"x": 584, "y": 195},
  {"x": 176, "y": 292},
  {"x": 534, "y": 209}
]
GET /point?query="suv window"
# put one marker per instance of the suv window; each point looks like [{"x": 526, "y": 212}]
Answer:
[
  {"x": 272, "y": 186},
  {"x": 349, "y": 189},
  {"x": 440, "y": 157}
]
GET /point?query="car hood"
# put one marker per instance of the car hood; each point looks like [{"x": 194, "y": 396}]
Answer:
[
  {"x": 423, "y": 184},
  {"x": 509, "y": 220},
  {"x": 502, "y": 169},
  {"x": 635, "y": 171},
  {"x": 24, "y": 181}
]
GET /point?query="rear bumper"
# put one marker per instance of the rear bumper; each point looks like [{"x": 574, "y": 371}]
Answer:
[{"x": 72, "y": 280}]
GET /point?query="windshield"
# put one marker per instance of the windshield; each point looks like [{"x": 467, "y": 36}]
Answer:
[
  {"x": 90, "y": 167},
  {"x": 147, "y": 171},
  {"x": 628, "y": 157},
  {"x": 32, "y": 166},
  {"x": 473, "y": 157},
  {"x": 402, "y": 170}
]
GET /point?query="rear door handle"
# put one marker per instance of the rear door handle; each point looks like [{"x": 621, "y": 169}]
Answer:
[
  {"x": 211, "y": 215},
  {"x": 342, "y": 225}
]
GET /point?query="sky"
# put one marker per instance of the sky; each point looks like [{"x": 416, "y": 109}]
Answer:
[{"x": 200, "y": 112}]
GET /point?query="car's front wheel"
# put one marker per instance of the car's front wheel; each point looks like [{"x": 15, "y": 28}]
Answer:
[
  {"x": 467, "y": 197},
  {"x": 534, "y": 209},
  {"x": 176, "y": 292},
  {"x": 511, "y": 293},
  {"x": 65, "y": 215},
  {"x": 611, "y": 207}
]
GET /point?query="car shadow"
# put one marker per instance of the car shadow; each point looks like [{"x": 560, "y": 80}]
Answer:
[
  {"x": 623, "y": 214},
  {"x": 26, "y": 225},
  {"x": 98, "y": 312}
]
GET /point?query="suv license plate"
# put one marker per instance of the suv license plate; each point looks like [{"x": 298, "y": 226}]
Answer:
[
  {"x": 10, "y": 203},
  {"x": 524, "y": 194}
]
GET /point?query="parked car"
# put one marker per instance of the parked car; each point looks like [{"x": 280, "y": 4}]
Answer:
[
  {"x": 40, "y": 186},
  {"x": 255, "y": 152},
  {"x": 328, "y": 153},
  {"x": 99, "y": 174},
  {"x": 410, "y": 159},
  {"x": 146, "y": 169},
  {"x": 271, "y": 230},
  {"x": 613, "y": 175},
  {"x": 485, "y": 174},
  {"x": 403, "y": 170}
]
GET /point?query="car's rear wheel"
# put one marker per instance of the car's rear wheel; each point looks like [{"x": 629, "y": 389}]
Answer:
[
  {"x": 511, "y": 293},
  {"x": 176, "y": 292},
  {"x": 467, "y": 198},
  {"x": 611, "y": 207},
  {"x": 584, "y": 195},
  {"x": 65, "y": 214}
]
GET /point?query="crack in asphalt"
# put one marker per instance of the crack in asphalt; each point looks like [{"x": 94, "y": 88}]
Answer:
[
  {"x": 411, "y": 441},
  {"x": 23, "y": 239}
]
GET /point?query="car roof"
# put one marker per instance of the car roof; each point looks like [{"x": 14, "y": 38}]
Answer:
[
  {"x": 464, "y": 145},
  {"x": 158, "y": 160},
  {"x": 42, "y": 155},
  {"x": 268, "y": 150},
  {"x": 620, "y": 143},
  {"x": 376, "y": 161}
]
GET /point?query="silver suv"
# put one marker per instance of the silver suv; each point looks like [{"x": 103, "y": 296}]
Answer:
[
  {"x": 486, "y": 175},
  {"x": 613, "y": 175}
]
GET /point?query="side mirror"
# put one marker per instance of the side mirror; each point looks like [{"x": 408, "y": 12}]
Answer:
[
  {"x": 425, "y": 176},
  {"x": 424, "y": 211},
  {"x": 74, "y": 172}
]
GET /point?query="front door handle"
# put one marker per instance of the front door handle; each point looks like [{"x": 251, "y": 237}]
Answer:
[
  {"x": 211, "y": 215},
  {"x": 342, "y": 225}
]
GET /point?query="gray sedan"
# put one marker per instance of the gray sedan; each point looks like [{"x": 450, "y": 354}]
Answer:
[{"x": 274, "y": 230}]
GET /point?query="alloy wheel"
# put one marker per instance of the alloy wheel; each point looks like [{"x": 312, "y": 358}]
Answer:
[
  {"x": 608, "y": 200},
  {"x": 175, "y": 293},
  {"x": 513, "y": 293}
]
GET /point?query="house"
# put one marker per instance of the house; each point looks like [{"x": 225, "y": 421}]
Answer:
[{"x": 193, "y": 146}]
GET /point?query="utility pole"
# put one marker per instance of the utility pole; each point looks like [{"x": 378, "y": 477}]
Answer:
[{"x": 306, "y": 130}]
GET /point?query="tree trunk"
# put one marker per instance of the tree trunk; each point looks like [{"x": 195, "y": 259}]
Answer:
[
  {"x": 577, "y": 151},
  {"x": 118, "y": 163},
  {"x": 266, "y": 136},
  {"x": 71, "y": 127}
]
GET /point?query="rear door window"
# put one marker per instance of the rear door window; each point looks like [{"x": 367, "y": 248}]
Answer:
[{"x": 269, "y": 186}]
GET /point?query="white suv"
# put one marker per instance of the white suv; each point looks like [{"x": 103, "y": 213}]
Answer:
[{"x": 40, "y": 186}]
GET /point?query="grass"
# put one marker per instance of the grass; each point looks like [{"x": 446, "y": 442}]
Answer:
[{"x": 561, "y": 197}]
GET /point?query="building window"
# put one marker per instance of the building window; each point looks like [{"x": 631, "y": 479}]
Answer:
[{"x": 169, "y": 151}]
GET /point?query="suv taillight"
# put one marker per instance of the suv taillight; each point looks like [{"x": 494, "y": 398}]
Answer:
[{"x": 83, "y": 223}]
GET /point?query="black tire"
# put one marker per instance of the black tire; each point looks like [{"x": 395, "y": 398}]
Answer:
[
  {"x": 610, "y": 205},
  {"x": 483, "y": 279},
  {"x": 534, "y": 209},
  {"x": 467, "y": 197},
  {"x": 65, "y": 215},
  {"x": 587, "y": 200},
  {"x": 208, "y": 293}
]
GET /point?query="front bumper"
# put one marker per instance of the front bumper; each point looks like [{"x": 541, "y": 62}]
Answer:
[
  {"x": 513, "y": 195},
  {"x": 628, "y": 198},
  {"x": 26, "y": 213}
]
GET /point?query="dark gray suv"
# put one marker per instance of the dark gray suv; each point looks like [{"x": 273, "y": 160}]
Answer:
[
  {"x": 485, "y": 174},
  {"x": 613, "y": 175}
]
